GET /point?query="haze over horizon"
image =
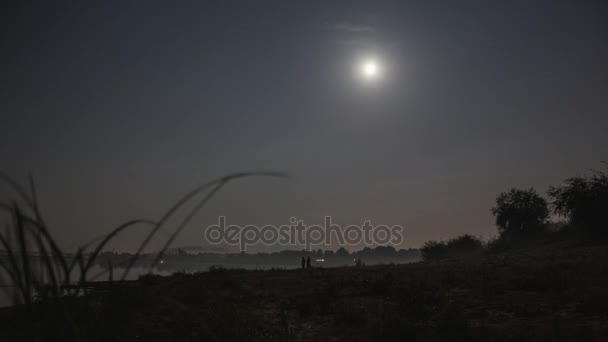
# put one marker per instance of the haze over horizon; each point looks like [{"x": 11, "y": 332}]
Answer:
[{"x": 118, "y": 110}]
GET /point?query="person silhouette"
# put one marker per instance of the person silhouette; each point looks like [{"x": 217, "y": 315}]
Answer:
[
  {"x": 308, "y": 262},
  {"x": 303, "y": 263}
]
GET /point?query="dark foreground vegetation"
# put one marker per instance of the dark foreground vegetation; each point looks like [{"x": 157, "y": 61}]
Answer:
[
  {"x": 556, "y": 293},
  {"x": 538, "y": 280}
]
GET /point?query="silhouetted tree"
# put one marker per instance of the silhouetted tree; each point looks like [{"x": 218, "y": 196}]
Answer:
[
  {"x": 464, "y": 244},
  {"x": 584, "y": 201},
  {"x": 520, "y": 212},
  {"x": 433, "y": 250},
  {"x": 458, "y": 246}
]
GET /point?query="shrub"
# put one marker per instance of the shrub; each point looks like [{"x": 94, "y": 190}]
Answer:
[
  {"x": 583, "y": 201},
  {"x": 458, "y": 246},
  {"x": 433, "y": 250},
  {"x": 464, "y": 243},
  {"x": 520, "y": 212}
]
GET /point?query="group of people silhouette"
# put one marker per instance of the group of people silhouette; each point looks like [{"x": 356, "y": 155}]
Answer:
[{"x": 305, "y": 262}]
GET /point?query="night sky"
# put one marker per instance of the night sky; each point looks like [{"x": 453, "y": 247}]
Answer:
[{"x": 118, "y": 108}]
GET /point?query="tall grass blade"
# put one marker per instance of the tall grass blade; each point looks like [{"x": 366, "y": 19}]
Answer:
[
  {"x": 187, "y": 198},
  {"x": 23, "y": 251}
]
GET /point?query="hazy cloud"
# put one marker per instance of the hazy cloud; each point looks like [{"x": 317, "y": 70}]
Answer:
[{"x": 348, "y": 27}]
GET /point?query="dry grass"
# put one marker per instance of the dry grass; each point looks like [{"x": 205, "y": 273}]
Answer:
[
  {"x": 540, "y": 295},
  {"x": 28, "y": 237}
]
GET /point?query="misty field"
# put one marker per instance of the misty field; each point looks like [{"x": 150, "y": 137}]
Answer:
[{"x": 556, "y": 294}]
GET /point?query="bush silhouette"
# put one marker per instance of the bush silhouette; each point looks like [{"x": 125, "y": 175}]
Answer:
[
  {"x": 520, "y": 213},
  {"x": 464, "y": 243},
  {"x": 458, "y": 246},
  {"x": 583, "y": 201},
  {"x": 433, "y": 250}
]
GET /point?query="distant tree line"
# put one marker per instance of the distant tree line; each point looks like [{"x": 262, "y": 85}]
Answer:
[
  {"x": 523, "y": 216},
  {"x": 179, "y": 259}
]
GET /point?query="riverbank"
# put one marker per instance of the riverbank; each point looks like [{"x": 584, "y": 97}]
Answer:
[{"x": 555, "y": 294}]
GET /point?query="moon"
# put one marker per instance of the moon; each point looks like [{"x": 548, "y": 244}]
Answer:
[{"x": 369, "y": 69}]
